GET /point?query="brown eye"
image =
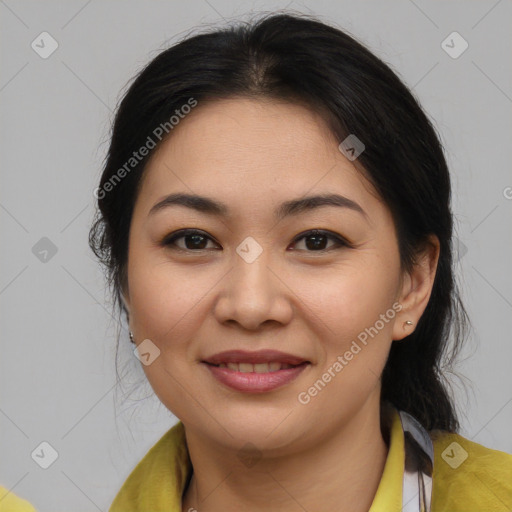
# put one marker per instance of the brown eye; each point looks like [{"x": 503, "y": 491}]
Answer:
[
  {"x": 193, "y": 240},
  {"x": 317, "y": 240}
]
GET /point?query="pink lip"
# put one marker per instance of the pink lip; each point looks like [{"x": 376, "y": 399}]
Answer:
[{"x": 253, "y": 382}]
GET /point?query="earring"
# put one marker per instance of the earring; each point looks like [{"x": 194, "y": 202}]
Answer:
[
  {"x": 131, "y": 337},
  {"x": 407, "y": 322}
]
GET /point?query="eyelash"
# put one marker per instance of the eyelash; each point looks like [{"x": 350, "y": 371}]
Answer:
[{"x": 169, "y": 240}]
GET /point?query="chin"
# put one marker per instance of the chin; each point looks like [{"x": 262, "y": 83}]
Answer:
[{"x": 269, "y": 428}]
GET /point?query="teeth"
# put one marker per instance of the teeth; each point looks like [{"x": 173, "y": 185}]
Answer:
[
  {"x": 262, "y": 367},
  {"x": 273, "y": 366}
]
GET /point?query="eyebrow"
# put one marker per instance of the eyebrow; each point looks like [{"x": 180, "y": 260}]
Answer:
[{"x": 293, "y": 207}]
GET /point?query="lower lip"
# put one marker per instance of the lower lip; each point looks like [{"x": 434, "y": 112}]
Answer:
[{"x": 252, "y": 382}]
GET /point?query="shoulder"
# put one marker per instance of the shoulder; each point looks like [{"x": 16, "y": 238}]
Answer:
[
  {"x": 469, "y": 476},
  {"x": 157, "y": 479},
  {"x": 9, "y": 502}
]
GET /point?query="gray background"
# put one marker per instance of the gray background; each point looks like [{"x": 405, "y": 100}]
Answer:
[{"x": 57, "y": 372}]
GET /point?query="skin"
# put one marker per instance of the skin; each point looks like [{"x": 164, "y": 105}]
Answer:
[{"x": 192, "y": 303}]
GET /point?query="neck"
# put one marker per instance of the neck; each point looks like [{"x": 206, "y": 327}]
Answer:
[{"x": 341, "y": 472}]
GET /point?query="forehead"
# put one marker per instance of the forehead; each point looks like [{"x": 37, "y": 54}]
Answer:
[{"x": 253, "y": 153}]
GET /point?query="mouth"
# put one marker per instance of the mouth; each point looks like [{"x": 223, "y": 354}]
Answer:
[
  {"x": 273, "y": 366},
  {"x": 255, "y": 372}
]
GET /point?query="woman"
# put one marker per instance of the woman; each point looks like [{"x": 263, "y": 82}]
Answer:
[{"x": 274, "y": 216}]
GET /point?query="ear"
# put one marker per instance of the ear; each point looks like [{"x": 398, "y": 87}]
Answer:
[{"x": 416, "y": 288}]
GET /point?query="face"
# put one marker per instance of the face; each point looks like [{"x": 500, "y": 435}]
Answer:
[{"x": 314, "y": 314}]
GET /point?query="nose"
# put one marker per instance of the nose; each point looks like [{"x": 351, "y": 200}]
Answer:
[{"x": 254, "y": 293}]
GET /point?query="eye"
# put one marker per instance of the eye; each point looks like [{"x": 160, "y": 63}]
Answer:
[
  {"x": 193, "y": 240},
  {"x": 316, "y": 240}
]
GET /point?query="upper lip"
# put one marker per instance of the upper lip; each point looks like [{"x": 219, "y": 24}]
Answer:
[{"x": 260, "y": 356}]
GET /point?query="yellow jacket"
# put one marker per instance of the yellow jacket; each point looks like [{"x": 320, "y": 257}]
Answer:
[
  {"x": 480, "y": 482},
  {"x": 468, "y": 477}
]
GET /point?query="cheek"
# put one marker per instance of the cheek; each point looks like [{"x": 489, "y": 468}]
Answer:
[
  {"x": 351, "y": 307},
  {"x": 165, "y": 299},
  {"x": 349, "y": 299},
  {"x": 167, "y": 308},
  {"x": 354, "y": 338}
]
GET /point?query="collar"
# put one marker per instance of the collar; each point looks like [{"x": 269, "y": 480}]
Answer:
[{"x": 158, "y": 481}]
